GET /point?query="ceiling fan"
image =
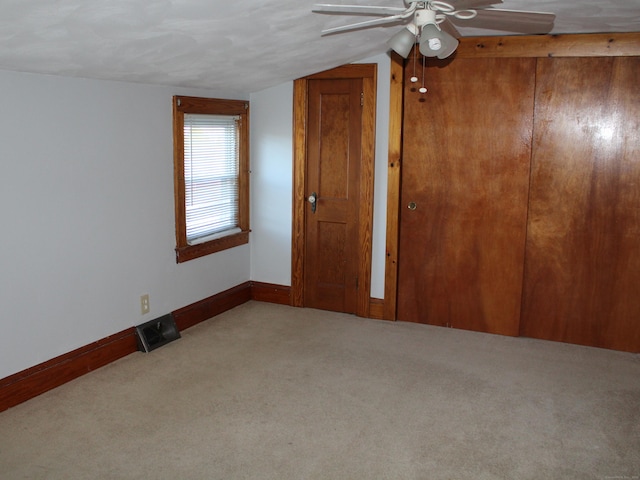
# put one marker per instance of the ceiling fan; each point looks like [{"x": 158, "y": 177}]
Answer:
[{"x": 433, "y": 23}]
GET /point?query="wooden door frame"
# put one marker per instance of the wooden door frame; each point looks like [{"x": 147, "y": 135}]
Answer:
[
  {"x": 394, "y": 170},
  {"x": 368, "y": 74}
]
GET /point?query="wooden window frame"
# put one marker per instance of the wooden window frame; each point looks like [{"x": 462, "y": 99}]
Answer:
[{"x": 209, "y": 106}]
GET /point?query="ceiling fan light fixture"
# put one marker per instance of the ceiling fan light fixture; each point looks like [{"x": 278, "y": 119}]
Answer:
[
  {"x": 403, "y": 41},
  {"x": 450, "y": 47},
  {"x": 433, "y": 41},
  {"x": 436, "y": 43}
]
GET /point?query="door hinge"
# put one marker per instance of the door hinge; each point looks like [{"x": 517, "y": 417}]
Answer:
[
  {"x": 362, "y": 99},
  {"x": 357, "y": 283}
]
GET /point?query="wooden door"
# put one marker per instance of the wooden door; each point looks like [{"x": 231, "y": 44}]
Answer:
[
  {"x": 582, "y": 281},
  {"x": 333, "y": 177},
  {"x": 466, "y": 158}
]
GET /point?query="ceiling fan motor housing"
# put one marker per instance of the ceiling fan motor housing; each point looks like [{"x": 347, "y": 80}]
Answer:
[{"x": 423, "y": 17}]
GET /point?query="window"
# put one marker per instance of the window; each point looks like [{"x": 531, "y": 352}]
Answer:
[{"x": 211, "y": 175}]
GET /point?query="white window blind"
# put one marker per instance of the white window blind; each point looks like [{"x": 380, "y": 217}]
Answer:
[{"x": 211, "y": 163}]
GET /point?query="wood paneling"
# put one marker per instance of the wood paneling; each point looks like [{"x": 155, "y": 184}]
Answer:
[
  {"x": 365, "y": 203},
  {"x": 585, "y": 45},
  {"x": 582, "y": 258},
  {"x": 466, "y": 160},
  {"x": 394, "y": 165},
  {"x": 617, "y": 44},
  {"x": 300, "y": 107},
  {"x": 583, "y": 249}
]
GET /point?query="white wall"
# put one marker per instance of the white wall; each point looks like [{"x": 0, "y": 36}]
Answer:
[
  {"x": 271, "y": 184},
  {"x": 379, "y": 240},
  {"x": 86, "y": 208},
  {"x": 272, "y": 170}
]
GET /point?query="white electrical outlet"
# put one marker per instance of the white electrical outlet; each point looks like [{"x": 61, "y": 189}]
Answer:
[{"x": 144, "y": 304}]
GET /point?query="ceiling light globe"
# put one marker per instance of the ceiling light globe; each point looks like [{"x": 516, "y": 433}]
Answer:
[
  {"x": 402, "y": 42},
  {"x": 436, "y": 43},
  {"x": 432, "y": 40}
]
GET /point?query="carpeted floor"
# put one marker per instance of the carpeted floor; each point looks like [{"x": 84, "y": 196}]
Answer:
[{"x": 267, "y": 391}]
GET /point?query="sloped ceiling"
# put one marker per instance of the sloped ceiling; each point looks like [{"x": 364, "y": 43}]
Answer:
[{"x": 232, "y": 46}]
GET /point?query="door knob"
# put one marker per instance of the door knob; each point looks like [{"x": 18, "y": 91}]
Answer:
[
  {"x": 313, "y": 200},
  {"x": 412, "y": 206}
]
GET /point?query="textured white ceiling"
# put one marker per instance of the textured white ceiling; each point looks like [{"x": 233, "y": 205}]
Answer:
[{"x": 232, "y": 46}]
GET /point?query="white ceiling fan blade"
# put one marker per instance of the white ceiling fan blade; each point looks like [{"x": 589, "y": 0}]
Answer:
[
  {"x": 472, "y": 4},
  {"x": 510, "y": 21},
  {"x": 356, "y": 9},
  {"x": 369, "y": 23}
]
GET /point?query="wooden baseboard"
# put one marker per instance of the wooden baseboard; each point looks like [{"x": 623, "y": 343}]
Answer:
[
  {"x": 46, "y": 376},
  {"x": 281, "y": 294},
  {"x": 376, "y": 308},
  {"x": 207, "y": 308},
  {"x": 269, "y": 292}
]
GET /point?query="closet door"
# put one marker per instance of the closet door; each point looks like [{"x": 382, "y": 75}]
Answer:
[
  {"x": 465, "y": 178},
  {"x": 582, "y": 271}
]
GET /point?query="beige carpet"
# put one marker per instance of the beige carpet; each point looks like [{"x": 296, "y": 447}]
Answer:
[{"x": 271, "y": 392}]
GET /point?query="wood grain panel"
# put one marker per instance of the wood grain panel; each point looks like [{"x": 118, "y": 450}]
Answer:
[
  {"x": 376, "y": 308},
  {"x": 365, "y": 202},
  {"x": 393, "y": 186},
  {"x": 466, "y": 160},
  {"x": 333, "y": 172},
  {"x": 333, "y": 162},
  {"x": 300, "y": 108},
  {"x": 366, "y": 72},
  {"x": 583, "y": 248},
  {"x": 582, "y": 45},
  {"x": 331, "y": 287}
]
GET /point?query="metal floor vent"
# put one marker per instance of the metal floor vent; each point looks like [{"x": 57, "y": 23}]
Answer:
[{"x": 155, "y": 333}]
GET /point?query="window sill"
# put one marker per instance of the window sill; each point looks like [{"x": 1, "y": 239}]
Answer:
[{"x": 189, "y": 252}]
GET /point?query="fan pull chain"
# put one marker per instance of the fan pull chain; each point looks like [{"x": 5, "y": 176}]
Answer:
[
  {"x": 423, "y": 89},
  {"x": 414, "y": 79}
]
